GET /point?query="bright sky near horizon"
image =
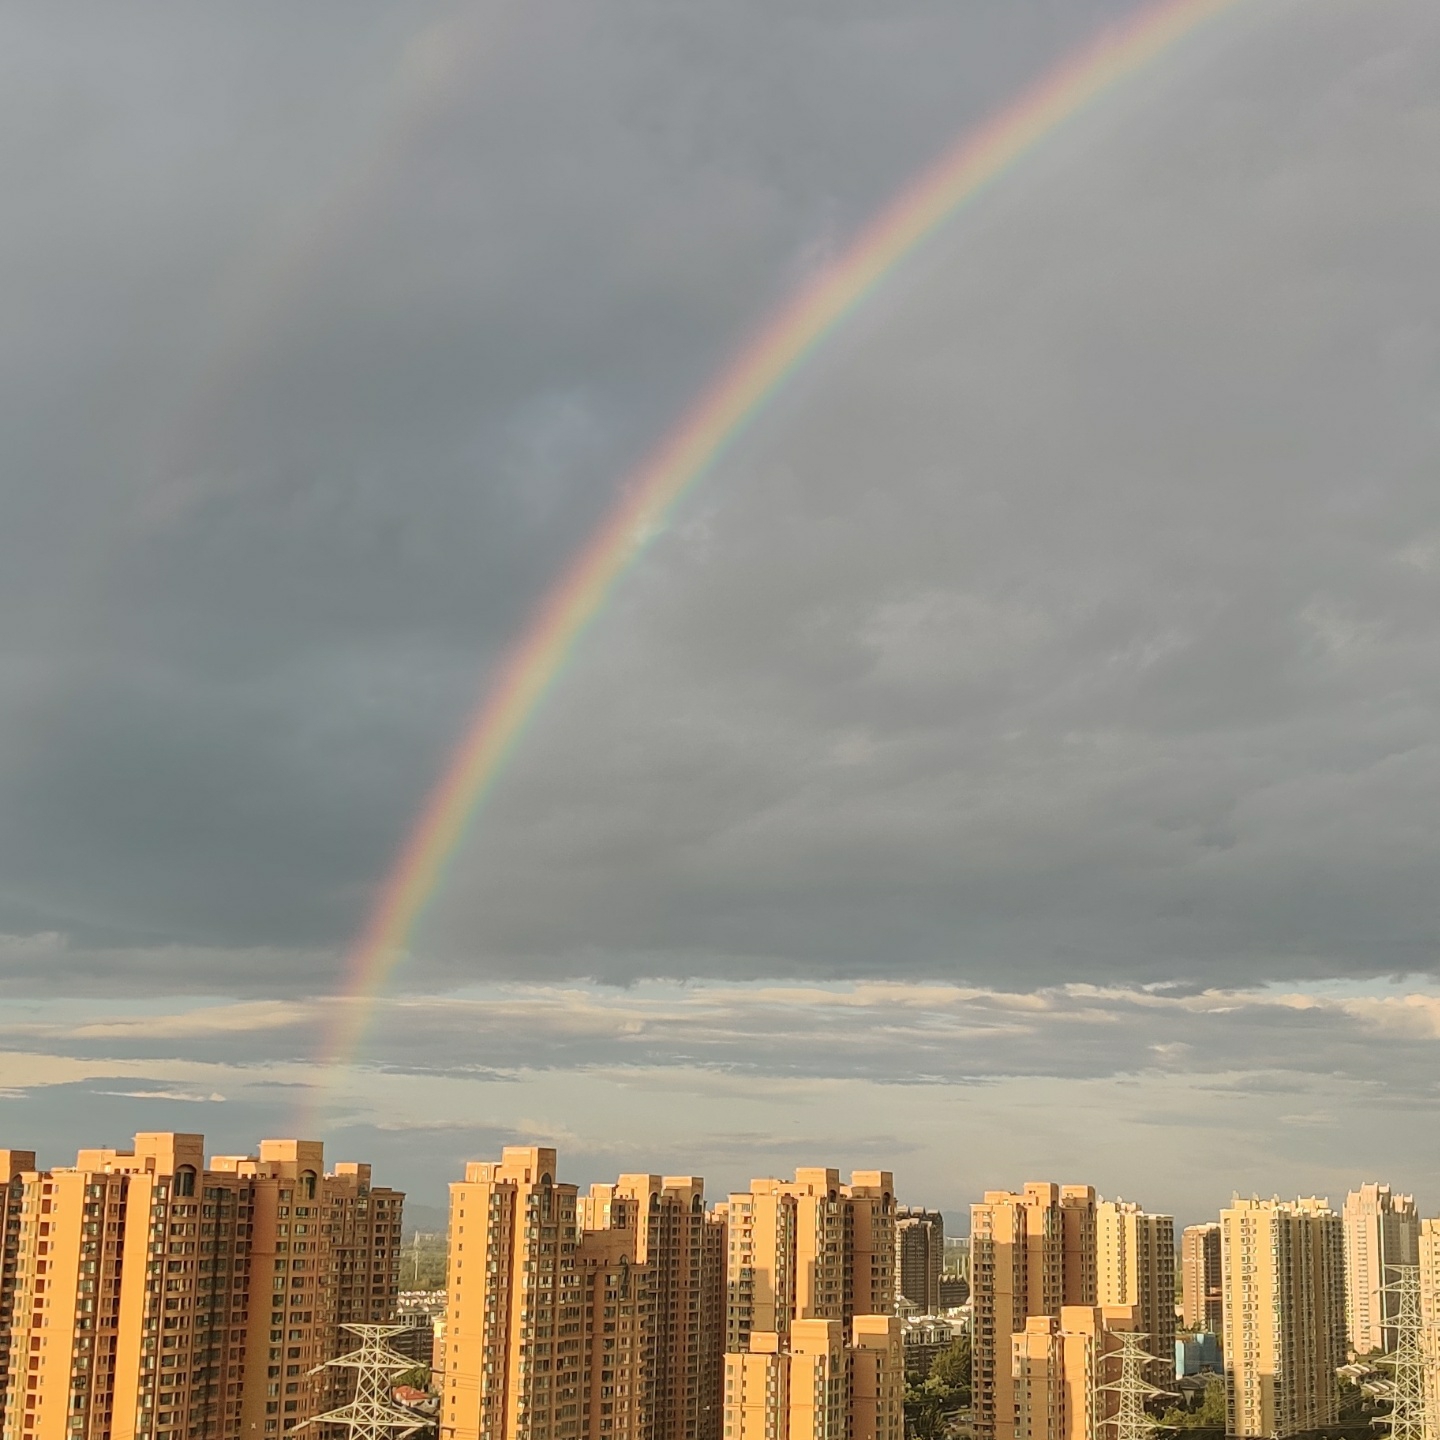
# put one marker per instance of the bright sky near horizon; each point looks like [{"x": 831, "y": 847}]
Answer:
[{"x": 1020, "y": 758}]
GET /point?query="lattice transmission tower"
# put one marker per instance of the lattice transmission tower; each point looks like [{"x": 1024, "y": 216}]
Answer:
[
  {"x": 371, "y": 1414},
  {"x": 1131, "y": 1389},
  {"x": 1409, "y": 1417}
]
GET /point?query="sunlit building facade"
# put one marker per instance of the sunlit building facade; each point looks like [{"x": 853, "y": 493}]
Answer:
[
  {"x": 1063, "y": 1367},
  {"x": 1284, "y": 1336},
  {"x": 157, "y": 1298},
  {"x": 1202, "y": 1304},
  {"x": 1135, "y": 1266},
  {"x": 1382, "y": 1231},
  {"x": 814, "y": 1348},
  {"x": 568, "y": 1316},
  {"x": 1032, "y": 1252}
]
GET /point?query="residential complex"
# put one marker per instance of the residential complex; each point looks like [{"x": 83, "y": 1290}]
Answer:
[
  {"x": 813, "y": 1346},
  {"x": 808, "y": 1248},
  {"x": 581, "y": 1316},
  {"x": 919, "y": 1257},
  {"x": 683, "y": 1249},
  {"x": 1064, "y": 1367},
  {"x": 1201, "y": 1283},
  {"x": 152, "y": 1294},
  {"x": 1382, "y": 1232},
  {"x": 1135, "y": 1266},
  {"x": 1284, "y": 1309},
  {"x": 153, "y": 1297},
  {"x": 1032, "y": 1252},
  {"x": 630, "y": 1313}
]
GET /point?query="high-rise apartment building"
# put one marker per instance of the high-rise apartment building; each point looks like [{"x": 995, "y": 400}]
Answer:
[
  {"x": 1284, "y": 1333},
  {"x": 13, "y": 1165},
  {"x": 819, "y": 1382},
  {"x": 518, "y": 1361},
  {"x": 1062, "y": 1367},
  {"x": 1429, "y": 1262},
  {"x": 808, "y": 1249},
  {"x": 877, "y": 1378},
  {"x": 683, "y": 1247},
  {"x": 1382, "y": 1230},
  {"x": 813, "y": 1348},
  {"x": 569, "y": 1316},
  {"x": 1031, "y": 1253},
  {"x": 157, "y": 1299},
  {"x": 1201, "y": 1285},
  {"x": 796, "y": 1388},
  {"x": 919, "y": 1257},
  {"x": 1135, "y": 1265}
]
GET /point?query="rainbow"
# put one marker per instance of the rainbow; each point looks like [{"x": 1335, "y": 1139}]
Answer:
[{"x": 692, "y": 448}]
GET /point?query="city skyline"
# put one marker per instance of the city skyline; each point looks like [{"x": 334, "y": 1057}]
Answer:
[{"x": 1015, "y": 757}]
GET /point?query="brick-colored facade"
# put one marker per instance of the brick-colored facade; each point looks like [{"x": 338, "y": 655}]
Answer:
[
  {"x": 156, "y": 1298},
  {"x": 573, "y": 1316}
]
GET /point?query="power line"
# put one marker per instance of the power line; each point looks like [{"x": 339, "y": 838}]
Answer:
[
  {"x": 371, "y": 1415},
  {"x": 1131, "y": 1389},
  {"x": 1409, "y": 1417}
]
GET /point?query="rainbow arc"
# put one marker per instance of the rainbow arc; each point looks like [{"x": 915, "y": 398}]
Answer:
[{"x": 691, "y": 450}]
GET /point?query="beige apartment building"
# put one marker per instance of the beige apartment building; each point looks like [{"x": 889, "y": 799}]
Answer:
[
  {"x": 13, "y": 1165},
  {"x": 1429, "y": 1261},
  {"x": 1032, "y": 1252},
  {"x": 1135, "y": 1266},
  {"x": 919, "y": 1257},
  {"x": 683, "y": 1248},
  {"x": 1061, "y": 1366},
  {"x": 814, "y": 1385},
  {"x": 1284, "y": 1304},
  {"x": 813, "y": 1347},
  {"x": 156, "y": 1298},
  {"x": 877, "y": 1378},
  {"x": 1382, "y": 1231},
  {"x": 1201, "y": 1284},
  {"x": 569, "y": 1316},
  {"x": 809, "y": 1248}
]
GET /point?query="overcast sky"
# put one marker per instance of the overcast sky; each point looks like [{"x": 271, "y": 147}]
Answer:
[{"x": 1018, "y": 759}]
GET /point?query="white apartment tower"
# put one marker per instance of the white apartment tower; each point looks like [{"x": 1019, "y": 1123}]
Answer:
[{"x": 1382, "y": 1230}]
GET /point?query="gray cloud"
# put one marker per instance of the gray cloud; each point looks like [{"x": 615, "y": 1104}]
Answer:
[
  {"x": 368, "y": 344},
  {"x": 1076, "y": 623},
  {"x": 1068, "y": 622}
]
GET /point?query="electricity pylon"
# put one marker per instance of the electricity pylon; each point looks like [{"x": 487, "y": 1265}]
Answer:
[
  {"x": 1409, "y": 1417},
  {"x": 371, "y": 1415},
  {"x": 1131, "y": 1388}
]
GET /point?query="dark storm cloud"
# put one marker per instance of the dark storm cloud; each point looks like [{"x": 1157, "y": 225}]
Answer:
[
  {"x": 333, "y": 336},
  {"x": 1078, "y": 623}
]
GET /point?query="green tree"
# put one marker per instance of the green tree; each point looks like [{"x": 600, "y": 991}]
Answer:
[
  {"x": 1208, "y": 1415},
  {"x": 951, "y": 1370},
  {"x": 934, "y": 1402}
]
